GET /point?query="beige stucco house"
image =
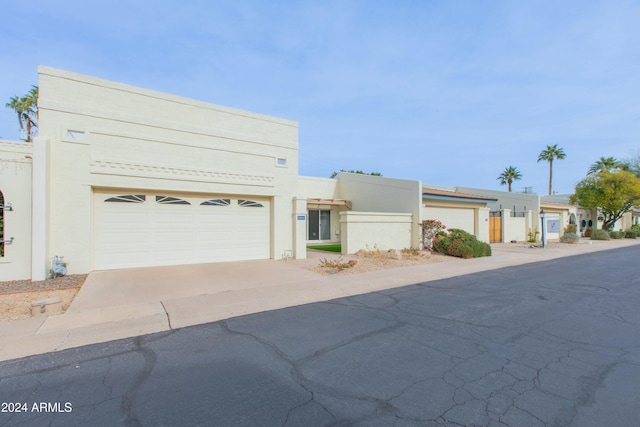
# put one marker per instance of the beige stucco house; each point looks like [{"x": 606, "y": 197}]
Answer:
[
  {"x": 456, "y": 209},
  {"x": 516, "y": 216},
  {"x": 121, "y": 177},
  {"x": 127, "y": 177}
]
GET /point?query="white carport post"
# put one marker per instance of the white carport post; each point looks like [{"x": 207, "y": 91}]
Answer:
[{"x": 299, "y": 228}]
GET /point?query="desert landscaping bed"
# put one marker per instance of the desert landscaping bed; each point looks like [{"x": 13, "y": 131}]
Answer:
[
  {"x": 366, "y": 261},
  {"x": 16, "y": 295}
]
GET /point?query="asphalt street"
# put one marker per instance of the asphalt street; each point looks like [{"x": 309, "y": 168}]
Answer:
[{"x": 547, "y": 344}]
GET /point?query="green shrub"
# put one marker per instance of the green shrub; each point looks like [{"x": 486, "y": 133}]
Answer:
[
  {"x": 587, "y": 232},
  {"x": 631, "y": 234},
  {"x": 570, "y": 229},
  {"x": 441, "y": 243},
  {"x": 636, "y": 228},
  {"x": 599, "y": 235},
  {"x": 461, "y": 244},
  {"x": 616, "y": 234},
  {"x": 569, "y": 238}
]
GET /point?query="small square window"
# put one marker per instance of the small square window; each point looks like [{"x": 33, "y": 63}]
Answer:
[{"x": 281, "y": 161}]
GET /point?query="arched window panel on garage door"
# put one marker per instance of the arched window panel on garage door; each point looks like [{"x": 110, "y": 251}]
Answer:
[
  {"x": 127, "y": 198},
  {"x": 166, "y": 200},
  {"x": 249, "y": 204},
  {"x": 217, "y": 202}
]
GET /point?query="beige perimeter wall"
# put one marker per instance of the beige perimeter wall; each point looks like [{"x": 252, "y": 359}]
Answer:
[{"x": 375, "y": 230}]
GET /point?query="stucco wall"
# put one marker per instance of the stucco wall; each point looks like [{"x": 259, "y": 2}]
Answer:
[
  {"x": 103, "y": 134},
  {"x": 380, "y": 194},
  {"x": 521, "y": 201},
  {"x": 318, "y": 188},
  {"x": 15, "y": 184},
  {"x": 369, "y": 230},
  {"x": 514, "y": 228}
]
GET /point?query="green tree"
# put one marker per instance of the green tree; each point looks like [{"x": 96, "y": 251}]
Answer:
[
  {"x": 509, "y": 175},
  {"x": 333, "y": 175},
  {"x": 26, "y": 108},
  {"x": 612, "y": 193},
  {"x": 608, "y": 164},
  {"x": 549, "y": 154}
]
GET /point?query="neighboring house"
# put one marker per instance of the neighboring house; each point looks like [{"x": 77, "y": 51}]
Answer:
[
  {"x": 456, "y": 209},
  {"x": 516, "y": 216},
  {"x": 635, "y": 216},
  {"x": 557, "y": 217},
  {"x": 122, "y": 177},
  {"x": 362, "y": 211},
  {"x": 513, "y": 216},
  {"x": 587, "y": 219}
]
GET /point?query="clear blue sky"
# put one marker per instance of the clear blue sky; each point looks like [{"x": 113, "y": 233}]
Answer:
[{"x": 449, "y": 92}]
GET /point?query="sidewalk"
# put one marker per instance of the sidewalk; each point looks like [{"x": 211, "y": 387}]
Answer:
[{"x": 127, "y": 303}]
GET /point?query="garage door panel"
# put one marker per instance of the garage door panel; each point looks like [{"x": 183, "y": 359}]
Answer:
[
  {"x": 130, "y": 237},
  {"x": 213, "y": 236},
  {"x": 461, "y": 218},
  {"x": 124, "y": 259},
  {"x": 125, "y": 218},
  {"x": 176, "y": 239},
  {"x": 247, "y": 237},
  {"x": 151, "y": 233},
  {"x": 173, "y": 218},
  {"x": 215, "y": 217}
]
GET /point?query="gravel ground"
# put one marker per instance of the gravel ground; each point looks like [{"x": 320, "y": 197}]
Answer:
[
  {"x": 16, "y": 295},
  {"x": 379, "y": 260},
  {"x": 70, "y": 281}
]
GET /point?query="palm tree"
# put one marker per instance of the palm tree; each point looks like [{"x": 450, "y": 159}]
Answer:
[
  {"x": 509, "y": 175},
  {"x": 608, "y": 164},
  {"x": 16, "y": 104},
  {"x": 549, "y": 154},
  {"x": 27, "y": 110}
]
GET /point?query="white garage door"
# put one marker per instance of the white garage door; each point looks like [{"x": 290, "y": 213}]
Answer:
[
  {"x": 461, "y": 218},
  {"x": 142, "y": 229}
]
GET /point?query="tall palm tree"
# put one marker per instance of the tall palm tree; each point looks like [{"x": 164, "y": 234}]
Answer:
[
  {"x": 16, "y": 104},
  {"x": 608, "y": 164},
  {"x": 549, "y": 154},
  {"x": 27, "y": 110},
  {"x": 509, "y": 175}
]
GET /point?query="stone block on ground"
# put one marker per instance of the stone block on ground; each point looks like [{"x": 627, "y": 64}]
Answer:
[{"x": 46, "y": 306}]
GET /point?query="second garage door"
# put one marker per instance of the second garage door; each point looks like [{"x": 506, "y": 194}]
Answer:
[
  {"x": 139, "y": 229},
  {"x": 461, "y": 218}
]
